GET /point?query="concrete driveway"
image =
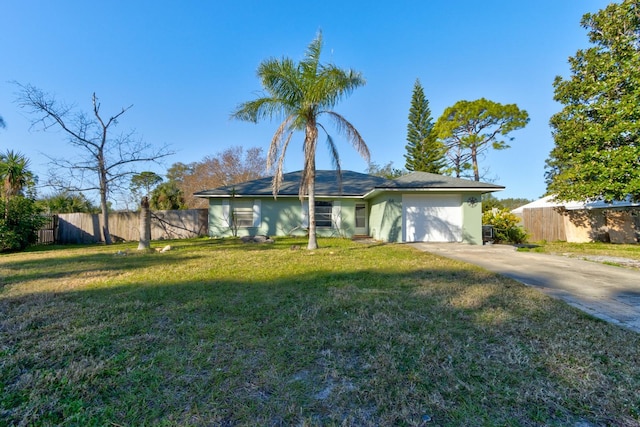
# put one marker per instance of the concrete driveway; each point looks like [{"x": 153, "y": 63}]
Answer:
[{"x": 604, "y": 291}]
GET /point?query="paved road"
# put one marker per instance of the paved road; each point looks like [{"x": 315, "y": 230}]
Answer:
[{"x": 604, "y": 291}]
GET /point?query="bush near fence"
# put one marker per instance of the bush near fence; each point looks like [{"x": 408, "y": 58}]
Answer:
[{"x": 125, "y": 226}]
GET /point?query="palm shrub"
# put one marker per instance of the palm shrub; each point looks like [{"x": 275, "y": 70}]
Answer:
[
  {"x": 19, "y": 227},
  {"x": 505, "y": 226}
]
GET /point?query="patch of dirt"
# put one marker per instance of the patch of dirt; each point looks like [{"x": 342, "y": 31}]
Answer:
[{"x": 604, "y": 259}]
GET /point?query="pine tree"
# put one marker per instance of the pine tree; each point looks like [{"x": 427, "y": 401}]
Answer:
[{"x": 424, "y": 152}]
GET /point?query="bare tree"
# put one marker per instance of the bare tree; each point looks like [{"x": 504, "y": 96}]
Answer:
[
  {"x": 231, "y": 166},
  {"x": 104, "y": 161}
]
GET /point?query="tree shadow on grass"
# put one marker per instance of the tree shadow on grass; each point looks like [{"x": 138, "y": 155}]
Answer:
[
  {"x": 84, "y": 264},
  {"x": 462, "y": 346}
]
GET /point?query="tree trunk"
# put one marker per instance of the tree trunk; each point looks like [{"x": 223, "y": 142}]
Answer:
[
  {"x": 474, "y": 159},
  {"x": 311, "y": 137},
  {"x": 145, "y": 225},
  {"x": 313, "y": 240},
  {"x": 105, "y": 220},
  {"x": 103, "y": 199}
]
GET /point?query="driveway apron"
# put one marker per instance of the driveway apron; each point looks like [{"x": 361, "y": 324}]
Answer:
[{"x": 608, "y": 292}]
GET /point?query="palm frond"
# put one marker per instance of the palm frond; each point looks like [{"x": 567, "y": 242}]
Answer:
[
  {"x": 279, "y": 172},
  {"x": 276, "y": 142},
  {"x": 281, "y": 79},
  {"x": 335, "y": 158},
  {"x": 353, "y": 136},
  {"x": 310, "y": 64},
  {"x": 333, "y": 84},
  {"x": 333, "y": 149}
]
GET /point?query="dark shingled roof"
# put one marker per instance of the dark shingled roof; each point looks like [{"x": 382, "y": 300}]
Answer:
[
  {"x": 431, "y": 180},
  {"x": 353, "y": 184}
]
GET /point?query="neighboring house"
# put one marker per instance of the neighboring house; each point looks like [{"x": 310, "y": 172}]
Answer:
[
  {"x": 579, "y": 222},
  {"x": 418, "y": 207}
]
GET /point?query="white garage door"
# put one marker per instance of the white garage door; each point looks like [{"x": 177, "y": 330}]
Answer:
[{"x": 432, "y": 218}]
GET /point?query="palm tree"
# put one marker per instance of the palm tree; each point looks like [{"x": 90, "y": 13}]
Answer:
[
  {"x": 302, "y": 93},
  {"x": 14, "y": 174},
  {"x": 145, "y": 225}
]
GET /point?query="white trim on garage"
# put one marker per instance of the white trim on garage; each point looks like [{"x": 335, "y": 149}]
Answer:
[{"x": 432, "y": 218}]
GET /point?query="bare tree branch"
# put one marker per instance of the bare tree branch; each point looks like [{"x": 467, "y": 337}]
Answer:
[{"x": 103, "y": 162}]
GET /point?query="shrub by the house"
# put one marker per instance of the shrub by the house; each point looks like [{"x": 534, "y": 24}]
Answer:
[{"x": 505, "y": 226}]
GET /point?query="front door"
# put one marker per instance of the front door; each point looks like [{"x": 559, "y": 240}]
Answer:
[{"x": 362, "y": 228}]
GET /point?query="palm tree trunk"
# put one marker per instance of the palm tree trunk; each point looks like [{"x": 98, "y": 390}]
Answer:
[
  {"x": 313, "y": 240},
  {"x": 145, "y": 225},
  {"x": 311, "y": 137}
]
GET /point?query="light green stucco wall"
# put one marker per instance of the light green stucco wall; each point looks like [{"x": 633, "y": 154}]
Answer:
[
  {"x": 472, "y": 219},
  {"x": 385, "y": 217},
  {"x": 283, "y": 217}
]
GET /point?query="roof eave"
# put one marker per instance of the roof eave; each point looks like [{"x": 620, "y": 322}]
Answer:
[{"x": 482, "y": 190}]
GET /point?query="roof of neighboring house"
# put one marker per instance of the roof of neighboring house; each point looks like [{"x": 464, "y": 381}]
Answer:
[
  {"x": 550, "y": 202},
  {"x": 352, "y": 184}
]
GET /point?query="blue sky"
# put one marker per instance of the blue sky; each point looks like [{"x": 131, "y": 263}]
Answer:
[{"x": 185, "y": 66}]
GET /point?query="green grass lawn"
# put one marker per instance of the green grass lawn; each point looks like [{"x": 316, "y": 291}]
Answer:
[
  {"x": 220, "y": 333},
  {"x": 587, "y": 249}
]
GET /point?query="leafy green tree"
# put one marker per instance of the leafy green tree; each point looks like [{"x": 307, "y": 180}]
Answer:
[
  {"x": 470, "y": 128},
  {"x": 64, "y": 201},
  {"x": 489, "y": 202},
  {"x": 167, "y": 196},
  {"x": 302, "y": 93},
  {"x": 15, "y": 175},
  {"x": 386, "y": 171},
  {"x": 178, "y": 171},
  {"x": 511, "y": 203},
  {"x": 19, "y": 227},
  {"x": 425, "y": 152},
  {"x": 597, "y": 133},
  {"x": 144, "y": 182},
  {"x": 21, "y": 221}
]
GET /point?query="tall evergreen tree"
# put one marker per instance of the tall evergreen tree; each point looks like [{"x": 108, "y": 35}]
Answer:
[{"x": 424, "y": 152}]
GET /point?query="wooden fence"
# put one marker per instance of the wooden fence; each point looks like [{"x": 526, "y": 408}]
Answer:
[
  {"x": 125, "y": 226},
  {"x": 544, "y": 224},
  {"x": 582, "y": 225},
  {"x": 47, "y": 234}
]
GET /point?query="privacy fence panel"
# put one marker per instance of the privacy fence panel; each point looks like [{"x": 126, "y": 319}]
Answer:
[
  {"x": 544, "y": 224},
  {"x": 47, "y": 234},
  {"x": 582, "y": 225},
  {"x": 125, "y": 226}
]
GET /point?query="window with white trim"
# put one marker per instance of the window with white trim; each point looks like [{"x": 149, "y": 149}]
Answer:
[
  {"x": 242, "y": 213},
  {"x": 324, "y": 211}
]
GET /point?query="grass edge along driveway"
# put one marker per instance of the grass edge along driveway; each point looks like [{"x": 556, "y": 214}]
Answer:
[{"x": 216, "y": 332}]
